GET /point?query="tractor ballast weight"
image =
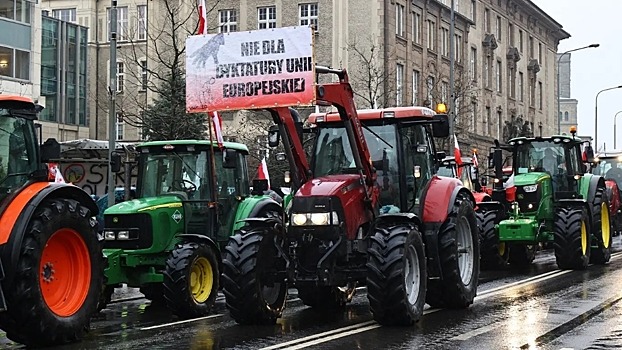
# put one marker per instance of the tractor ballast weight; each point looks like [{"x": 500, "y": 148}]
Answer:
[{"x": 50, "y": 254}]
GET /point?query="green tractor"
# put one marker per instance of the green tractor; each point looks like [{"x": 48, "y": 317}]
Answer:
[
  {"x": 548, "y": 201},
  {"x": 191, "y": 196}
]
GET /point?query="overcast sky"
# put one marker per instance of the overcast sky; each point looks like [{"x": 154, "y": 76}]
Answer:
[{"x": 592, "y": 70}]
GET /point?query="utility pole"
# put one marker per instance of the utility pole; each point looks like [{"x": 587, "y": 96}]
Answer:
[
  {"x": 452, "y": 61},
  {"x": 112, "y": 89}
]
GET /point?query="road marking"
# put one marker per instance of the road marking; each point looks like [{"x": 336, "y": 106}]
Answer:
[
  {"x": 320, "y": 335},
  {"x": 475, "y": 332},
  {"x": 180, "y": 322},
  {"x": 333, "y": 337}
]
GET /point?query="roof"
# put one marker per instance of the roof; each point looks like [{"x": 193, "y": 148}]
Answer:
[
  {"x": 89, "y": 149},
  {"x": 609, "y": 154},
  {"x": 232, "y": 145},
  {"x": 15, "y": 98},
  {"x": 373, "y": 114},
  {"x": 554, "y": 138},
  {"x": 465, "y": 160}
]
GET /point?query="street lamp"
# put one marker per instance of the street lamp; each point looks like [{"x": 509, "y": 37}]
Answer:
[
  {"x": 596, "y": 114},
  {"x": 559, "y": 110},
  {"x": 614, "y": 129}
]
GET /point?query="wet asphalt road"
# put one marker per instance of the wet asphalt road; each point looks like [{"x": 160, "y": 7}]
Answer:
[{"x": 538, "y": 308}]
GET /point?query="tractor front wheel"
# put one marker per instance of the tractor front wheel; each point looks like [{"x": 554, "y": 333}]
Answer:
[
  {"x": 572, "y": 238},
  {"x": 191, "y": 280},
  {"x": 601, "y": 229},
  {"x": 494, "y": 254},
  {"x": 458, "y": 244},
  {"x": 396, "y": 274},
  {"x": 58, "y": 277},
  {"x": 253, "y": 276}
]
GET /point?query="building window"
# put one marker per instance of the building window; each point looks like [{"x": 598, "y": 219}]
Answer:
[
  {"x": 532, "y": 93},
  {"x": 540, "y": 95},
  {"x": 227, "y": 21},
  {"x": 566, "y": 116},
  {"x": 487, "y": 20},
  {"x": 431, "y": 35},
  {"x": 67, "y": 15},
  {"x": 120, "y": 126},
  {"x": 308, "y": 15},
  {"x": 498, "y": 28},
  {"x": 444, "y": 41},
  {"x": 540, "y": 53},
  {"x": 487, "y": 68},
  {"x": 142, "y": 22},
  {"x": 511, "y": 34},
  {"x": 521, "y": 94},
  {"x": 499, "y": 124},
  {"x": 399, "y": 84},
  {"x": 458, "y": 48},
  {"x": 531, "y": 48},
  {"x": 14, "y": 63},
  {"x": 473, "y": 10},
  {"x": 489, "y": 121},
  {"x": 444, "y": 92},
  {"x": 520, "y": 40},
  {"x": 430, "y": 86},
  {"x": 416, "y": 28},
  {"x": 473, "y": 116},
  {"x": 399, "y": 19},
  {"x": 122, "y": 30},
  {"x": 266, "y": 17},
  {"x": 415, "y": 99},
  {"x": 16, "y": 10},
  {"x": 473, "y": 64},
  {"x": 512, "y": 82},
  {"x": 143, "y": 75},
  {"x": 120, "y": 76},
  {"x": 498, "y": 77}
]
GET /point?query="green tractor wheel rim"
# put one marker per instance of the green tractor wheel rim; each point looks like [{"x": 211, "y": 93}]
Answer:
[
  {"x": 201, "y": 279},
  {"x": 605, "y": 225},
  {"x": 583, "y": 238}
]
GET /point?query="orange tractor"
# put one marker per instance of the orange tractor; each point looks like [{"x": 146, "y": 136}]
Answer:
[{"x": 51, "y": 265}]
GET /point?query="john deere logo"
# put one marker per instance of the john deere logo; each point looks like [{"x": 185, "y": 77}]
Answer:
[
  {"x": 115, "y": 219},
  {"x": 176, "y": 216}
]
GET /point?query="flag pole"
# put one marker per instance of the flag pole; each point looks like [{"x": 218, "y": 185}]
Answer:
[{"x": 213, "y": 156}]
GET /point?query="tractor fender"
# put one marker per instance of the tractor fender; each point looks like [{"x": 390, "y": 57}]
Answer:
[
  {"x": 596, "y": 182},
  {"x": 442, "y": 193},
  {"x": 17, "y": 215},
  {"x": 202, "y": 239},
  {"x": 266, "y": 204},
  {"x": 573, "y": 203},
  {"x": 251, "y": 207},
  {"x": 481, "y": 197},
  {"x": 491, "y": 206},
  {"x": 395, "y": 218}
]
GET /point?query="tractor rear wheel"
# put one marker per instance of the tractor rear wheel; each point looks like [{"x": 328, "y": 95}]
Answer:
[
  {"x": 191, "y": 280},
  {"x": 326, "y": 297},
  {"x": 396, "y": 274},
  {"x": 253, "y": 283},
  {"x": 458, "y": 245},
  {"x": 494, "y": 254},
  {"x": 522, "y": 255},
  {"x": 601, "y": 229},
  {"x": 105, "y": 297},
  {"x": 58, "y": 276},
  {"x": 571, "y": 238}
]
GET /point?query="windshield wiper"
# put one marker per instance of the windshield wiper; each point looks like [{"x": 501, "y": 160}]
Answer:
[
  {"x": 378, "y": 136},
  {"x": 188, "y": 166}
]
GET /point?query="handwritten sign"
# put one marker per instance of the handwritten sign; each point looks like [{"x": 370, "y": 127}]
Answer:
[{"x": 250, "y": 70}]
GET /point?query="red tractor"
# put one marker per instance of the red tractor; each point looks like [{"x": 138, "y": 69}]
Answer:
[
  {"x": 609, "y": 165},
  {"x": 467, "y": 173},
  {"x": 367, "y": 210},
  {"x": 51, "y": 264}
]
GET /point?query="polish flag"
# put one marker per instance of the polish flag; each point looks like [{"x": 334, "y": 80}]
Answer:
[
  {"x": 262, "y": 171},
  {"x": 475, "y": 161},
  {"x": 457, "y": 156},
  {"x": 510, "y": 189},
  {"x": 217, "y": 123},
  {"x": 55, "y": 173},
  {"x": 202, "y": 18}
]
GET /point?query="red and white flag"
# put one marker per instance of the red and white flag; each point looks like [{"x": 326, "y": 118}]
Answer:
[
  {"x": 202, "y": 18},
  {"x": 55, "y": 174},
  {"x": 262, "y": 171},
  {"x": 217, "y": 123},
  {"x": 457, "y": 156},
  {"x": 475, "y": 161}
]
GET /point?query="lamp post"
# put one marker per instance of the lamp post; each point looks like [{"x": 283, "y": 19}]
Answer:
[
  {"x": 596, "y": 114},
  {"x": 614, "y": 129},
  {"x": 559, "y": 110}
]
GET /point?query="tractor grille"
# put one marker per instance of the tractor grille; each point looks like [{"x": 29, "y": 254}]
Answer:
[
  {"x": 525, "y": 198},
  {"x": 133, "y": 222}
]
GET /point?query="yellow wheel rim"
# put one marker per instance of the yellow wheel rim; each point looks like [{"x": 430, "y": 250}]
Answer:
[
  {"x": 201, "y": 279},
  {"x": 583, "y": 237},
  {"x": 501, "y": 248},
  {"x": 605, "y": 225}
]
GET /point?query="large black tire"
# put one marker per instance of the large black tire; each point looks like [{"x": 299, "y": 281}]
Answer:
[
  {"x": 326, "y": 297},
  {"x": 191, "y": 280},
  {"x": 601, "y": 229},
  {"x": 154, "y": 292},
  {"x": 459, "y": 260},
  {"x": 253, "y": 291},
  {"x": 571, "y": 238},
  {"x": 521, "y": 255},
  {"x": 493, "y": 253},
  {"x": 30, "y": 318},
  {"x": 396, "y": 274}
]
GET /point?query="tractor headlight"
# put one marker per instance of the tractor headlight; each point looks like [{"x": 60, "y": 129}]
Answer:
[
  {"x": 299, "y": 219},
  {"x": 317, "y": 219},
  {"x": 110, "y": 235},
  {"x": 530, "y": 188},
  {"x": 123, "y": 235}
]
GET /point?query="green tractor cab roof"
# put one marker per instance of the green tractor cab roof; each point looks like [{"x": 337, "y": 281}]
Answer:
[
  {"x": 617, "y": 154},
  {"x": 452, "y": 160},
  {"x": 555, "y": 139},
  {"x": 172, "y": 144}
]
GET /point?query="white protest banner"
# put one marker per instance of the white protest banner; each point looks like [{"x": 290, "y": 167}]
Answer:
[{"x": 250, "y": 70}]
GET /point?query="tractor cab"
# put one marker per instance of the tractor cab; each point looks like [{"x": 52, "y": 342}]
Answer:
[
  {"x": 609, "y": 165},
  {"x": 465, "y": 172}
]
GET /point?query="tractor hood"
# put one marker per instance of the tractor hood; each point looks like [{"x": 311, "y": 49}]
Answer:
[
  {"x": 530, "y": 178},
  {"x": 330, "y": 185},
  {"x": 145, "y": 205}
]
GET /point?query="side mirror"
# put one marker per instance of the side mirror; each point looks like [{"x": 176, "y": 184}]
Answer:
[
  {"x": 273, "y": 136},
  {"x": 115, "y": 162},
  {"x": 441, "y": 127},
  {"x": 280, "y": 156},
  {"x": 228, "y": 158},
  {"x": 49, "y": 150},
  {"x": 440, "y": 155},
  {"x": 491, "y": 158}
]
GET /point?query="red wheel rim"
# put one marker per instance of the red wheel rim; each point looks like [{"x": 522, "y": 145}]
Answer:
[{"x": 65, "y": 272}]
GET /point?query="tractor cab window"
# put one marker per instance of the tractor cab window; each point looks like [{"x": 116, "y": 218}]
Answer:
[
  {"x": 446, "y": 170},
  {"x": 419, "y": 160},
  {"x": 178, "y": 172},
  {"x": 333, "y": 154},
  {"x": 610, "y": 168},
  {"x": 466, "y": 177},
  {"x": 18, "y": 156},
  {"x": 227, "y": 180},
  {"x": 540, "y": 156}
]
